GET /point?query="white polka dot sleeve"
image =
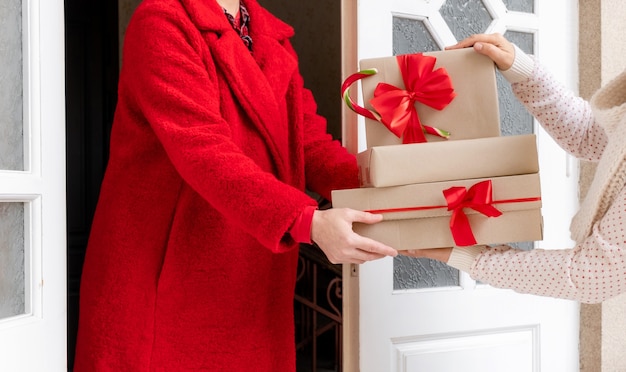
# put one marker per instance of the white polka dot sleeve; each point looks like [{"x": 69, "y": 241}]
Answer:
[
  {"x": 566, "y": 117},
  {"x": 592, "y": 271}
]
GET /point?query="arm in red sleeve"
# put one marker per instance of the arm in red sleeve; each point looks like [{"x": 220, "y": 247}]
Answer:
[{"x": 300, "y": 231}]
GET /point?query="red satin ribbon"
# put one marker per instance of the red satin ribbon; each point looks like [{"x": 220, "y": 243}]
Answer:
[
  {"x": 479, "y": 198},
  {"x": 430, "y": 207},
  {"x": 396, "y": 106}
]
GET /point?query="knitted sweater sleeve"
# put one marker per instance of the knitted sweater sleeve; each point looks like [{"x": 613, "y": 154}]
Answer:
[
  {"x": 593, "y": 270},
  {"x": 565, "y": 116}
]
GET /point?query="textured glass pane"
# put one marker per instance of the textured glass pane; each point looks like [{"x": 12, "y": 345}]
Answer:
[
  {"x": 465, "y": 17},
  {"x": 12, "y": 285},
  {"x": 514, "y": 118},
  {"x": 525, "y": 246},
  {"x": 524, "y": 40},
  {"x": 412, "y": 273},
  {"x": 411, "y": 36},
  {"x": 11, "y": 92},
  {"x": 525, "y": 6}
]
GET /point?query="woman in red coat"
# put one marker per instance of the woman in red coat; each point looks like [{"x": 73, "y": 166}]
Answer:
[{"x": 192, "y": 258}]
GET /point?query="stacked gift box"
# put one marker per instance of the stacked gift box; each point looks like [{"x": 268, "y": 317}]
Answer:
[{"x": 457, "y": 182}]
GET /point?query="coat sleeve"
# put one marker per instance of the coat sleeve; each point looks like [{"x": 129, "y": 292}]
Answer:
[
  {"x": 329, "y": 166},
  {"x": 165, "y": 74}
]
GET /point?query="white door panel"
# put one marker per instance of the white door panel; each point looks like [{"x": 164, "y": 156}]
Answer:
[
  {"x": 32, "y": 187},
  {"x": 469, "y": 326}
]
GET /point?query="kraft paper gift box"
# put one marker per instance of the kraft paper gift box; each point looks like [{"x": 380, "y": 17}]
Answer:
[
  {"x": 396, "y": 165},
  {"x": 472, "y": 113},
  {"x": 417, "y": 217}
]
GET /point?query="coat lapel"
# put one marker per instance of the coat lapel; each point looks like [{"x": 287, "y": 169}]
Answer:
[{"x": 259, "y": 80}]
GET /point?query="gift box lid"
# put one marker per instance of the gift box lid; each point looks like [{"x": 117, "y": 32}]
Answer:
[{"x": 473, "y": 113}]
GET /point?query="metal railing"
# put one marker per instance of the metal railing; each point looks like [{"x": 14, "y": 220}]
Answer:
[{"x": 317, "y": 306}]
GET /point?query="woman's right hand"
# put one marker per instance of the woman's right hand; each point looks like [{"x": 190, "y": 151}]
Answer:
[
  {"x": 494, "y": 46},
  {"x": 331, "y": 230}
]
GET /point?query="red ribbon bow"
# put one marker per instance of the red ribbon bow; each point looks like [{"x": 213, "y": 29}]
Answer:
[
  {"x": 396, "y": 106},
  {"x": 479, "y": 198}
]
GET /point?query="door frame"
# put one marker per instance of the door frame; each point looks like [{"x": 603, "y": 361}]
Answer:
[
  {"x": 35, "y": 340},
  {"x": 349, "y": 134}
]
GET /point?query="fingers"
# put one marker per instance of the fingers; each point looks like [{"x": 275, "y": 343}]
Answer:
[
  {"x": 357, "y": 256},
  {"x": 466, "y": 43},
  {"x": 361, "y": 250},
  {"x": 494, "y": 38},
  {"x": 358, "y": 249},
  {"x": 495, "y": 46},
  {"x": 363, "y": 257},
  {"x": 416, "y": 253},
  {"x": 332, "y": 231},
  {"x": 366, "y": 217},
  {"x": 374, "y": 247},
  {"x": 352, "y": 255},
  {"x": 370, "y": 245},
  {"x": 439, "y": 254},
  {"x": 502, "y": 56}
]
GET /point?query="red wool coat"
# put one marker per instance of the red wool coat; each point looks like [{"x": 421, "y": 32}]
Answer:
[{"x": 189, "y": 266}]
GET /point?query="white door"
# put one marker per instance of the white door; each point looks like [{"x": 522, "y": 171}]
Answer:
[
  {"x": 32, "y": 187},
  {"x": 414, "y": 315}
]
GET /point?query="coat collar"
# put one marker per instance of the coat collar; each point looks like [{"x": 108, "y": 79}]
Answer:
[
  {"x": 261, "y": 80},
  {"x": 202, "y": 14}
]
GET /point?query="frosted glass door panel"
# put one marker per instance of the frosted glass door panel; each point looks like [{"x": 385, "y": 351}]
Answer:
[
  {"x": 12, "y": 267},
  {"x": 525, "y": 6},
  {"x": 465, "y": 17},
  {"x": 11, "y": 86},
  {"x": 514, "y": 119}
]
